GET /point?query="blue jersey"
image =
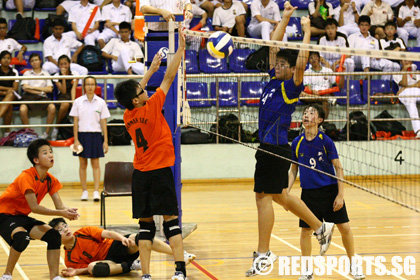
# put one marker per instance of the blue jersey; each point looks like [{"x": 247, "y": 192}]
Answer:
[
  {"x": 277, "y": 104},
  {"x": 318, "y": 154}
]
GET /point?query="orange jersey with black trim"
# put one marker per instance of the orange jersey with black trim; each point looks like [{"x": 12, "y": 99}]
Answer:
[
  {"x": 151, "y": 134},
  {"x": 13, "y": 201},
  {"x": 89, "y": 246}
]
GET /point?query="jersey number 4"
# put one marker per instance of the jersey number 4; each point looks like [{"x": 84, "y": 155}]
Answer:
[{"x": 140, "y": 141}]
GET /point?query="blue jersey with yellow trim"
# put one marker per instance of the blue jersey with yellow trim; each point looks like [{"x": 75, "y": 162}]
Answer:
[
  {"x": 277, "y": 104},
  {"x": 318, "y": 154}
]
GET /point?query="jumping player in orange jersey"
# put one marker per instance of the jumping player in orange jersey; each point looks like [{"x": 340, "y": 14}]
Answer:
[
  {"x": 21, "y": 198},
  {"x": 153, "y": 182}
]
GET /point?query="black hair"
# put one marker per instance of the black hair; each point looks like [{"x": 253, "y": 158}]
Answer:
[
  {"x": 331, "y": 21},
  {"x": 321, "y": 112},
  {"x": 3, "y": 21},
  {"x": 54, "y": 222},
  {"x": 58, "y": 22},
  {"x": 364, "y": 19},
  {"x": 64, "y": 57},
  {"x": 89, "y": 77},
  {"x": 317, "y": 53},
  {"x": 33, "y": 149},
  {"x": 125, "y": 25},
  {"x": 34, "y": 55},
  {"x": 390, "y": 23},
  {"x": 289, "y": 55},
  {"x": 4, "y": 53},
  {"x": 125, "y": 92}
]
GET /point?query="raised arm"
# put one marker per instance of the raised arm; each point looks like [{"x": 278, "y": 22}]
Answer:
[
  {"x": 172, "y": 68},
  {"x": 152, "y": 69},
  {"x": 278, "y": 34},
  {"x": 303, "y": 56}
]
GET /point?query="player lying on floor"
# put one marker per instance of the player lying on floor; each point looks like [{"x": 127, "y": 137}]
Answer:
[{"x": 101, "y": 253}]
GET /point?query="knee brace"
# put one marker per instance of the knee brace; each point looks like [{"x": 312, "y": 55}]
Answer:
[
  {"x": 21, "y": 241},
  {"x": 101, "y": 269},
  {"x": 147, "y": 231},
  {"x": 171, "y": 228},
  {"x": 53, "y": 239}
]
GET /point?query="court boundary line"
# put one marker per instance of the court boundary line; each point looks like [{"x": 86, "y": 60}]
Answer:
[
  {"x": 204, "y": 271},
  {"x": 4, "y": 246}
]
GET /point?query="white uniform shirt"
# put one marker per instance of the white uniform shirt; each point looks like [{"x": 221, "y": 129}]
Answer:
[
  {"x": 348, "y": 16},
  {"x": 226, "y": 17},
  {"x": 120, "y": 14},
  {"x": 115, "y": 46},
  {"x": 384, "y": 44},
  {"x": 411, "y": 79},
  {"x": 80, "y": 15},
  {"x": 173, "y": 6},
  {"x": 340, "y": 41},
  {"x": 319, "y": 82},
  {"x": 414, "y": 13},
  {"x": 10, "y": 45},
  {"x": 381, "y": 14},
  {"x": 56, "y": 48},
  {"x": 90, "y": 113},
  {"x": 36, "y": 83},
  {"x": 358, "y": 41},
  {"x": 271, "y": 11}
]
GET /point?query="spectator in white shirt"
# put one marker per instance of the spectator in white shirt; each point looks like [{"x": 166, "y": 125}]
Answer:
[
  {"x": 391, "y": 42},
  {"x": 36, "y": 90},
  {"x": 208, "y": 6},
  {"x": 319, "y": 11},
  {"x": 79, "y": 16},
  {"x": 380, "y": 12},
  {"x": 265, "y": 17},
  {"x": 409, "y": 86},
  {"x": 230, "y": 18},
  {"x": 347, "y": 16},
  {"x": 334, "y": 39},
  {"x": 67, "y": 5},
  {"x": 363, "y": 40},
  {"x": 126, "y": 55},
  {"x": 113, "y": 14},
  {"x": 10, "y": 44},
  {"x": 166, "y": 9},
  {"x": 57, "y": 45},
  {"x": 409, "y": 19}
]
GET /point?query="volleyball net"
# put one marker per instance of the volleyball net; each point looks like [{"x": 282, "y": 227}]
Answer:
[{"x": 372, "y": 130}]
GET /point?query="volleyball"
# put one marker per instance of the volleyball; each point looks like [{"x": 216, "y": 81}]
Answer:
[{"x": 220, "y": 44}]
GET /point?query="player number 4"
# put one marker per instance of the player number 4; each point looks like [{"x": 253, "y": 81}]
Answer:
[
  {"x": 399, "y": 158},
  {"x": 140, "y": 141}
]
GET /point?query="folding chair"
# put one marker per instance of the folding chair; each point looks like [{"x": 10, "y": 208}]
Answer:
[{"x": 117, "y": 182}]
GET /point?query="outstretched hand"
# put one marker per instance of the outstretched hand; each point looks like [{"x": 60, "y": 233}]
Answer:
[
  {"x": 288, "y": 9},
  {"x": 306, "y": 24},
  {"x": 68, "y": 272},
  {"x": 157, "y": 59},
  {"x": 181, "y": 37}
]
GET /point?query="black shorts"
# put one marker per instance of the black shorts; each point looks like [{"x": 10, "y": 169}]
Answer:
[
  {"x": 272, "y": 172},
  {"x": 118, "y": 253},
  {"x": 8, "y": 223},
  {"x": 154, "y": 193},
  {"x": 320, "y": 202},
  {"x": 35, "y": 97}
]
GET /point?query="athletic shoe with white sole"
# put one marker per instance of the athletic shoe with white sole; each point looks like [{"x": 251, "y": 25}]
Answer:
[
  {"x": 85, "y": 196},
  {"x": 136, "y": 265},
  {"x": 261, "y": 263},
  {"x": 146, "y": 277},
  {"x": 357, "y": 274},
  {"x": 188, "y": 257},
  {"x": 324, "y": 238},
  {"x": 306, "y": 277},
  {"x": 179, "y": 276},
  {"x": 6, "y": 277},
  {"x": 96, "y": 196}
]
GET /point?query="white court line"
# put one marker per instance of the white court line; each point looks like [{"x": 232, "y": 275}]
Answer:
[
  {"x": 297, "y": 249},
  {"x": 63, "y": 263},
  {"x": 6, "y": 249},
  {"x": 388, "y": 272}
]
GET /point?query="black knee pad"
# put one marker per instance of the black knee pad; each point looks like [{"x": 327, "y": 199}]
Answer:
[
  {"x": 20, "y": 241},
  {"x": 101, "y": 269},
  {"x": 171, "y": 228},
  {"x": 147, "y": 231},
  {"x": 53, "y": 239}
]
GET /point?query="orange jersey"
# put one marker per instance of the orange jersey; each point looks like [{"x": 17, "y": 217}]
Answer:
[
  {"x": 151, "y": 134},
  {"x": 13, "y": 202},
  {"x": 89, "y": 246}
]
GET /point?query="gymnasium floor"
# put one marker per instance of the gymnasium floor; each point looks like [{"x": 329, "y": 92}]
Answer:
[{"x": 227, "y": 234}]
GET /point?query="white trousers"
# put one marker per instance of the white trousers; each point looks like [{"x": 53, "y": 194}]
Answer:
[
  {"x": 379, "y": 64},
  {"x": 107, "y": 34},
  {"x": 51, "y": 68},
  {"x": 410, "y": 104},
  {"x": 122, "y": 64},
  {"x": 413, "y": 31},
  {"x": 90, "y": 38},
  {"x": 27, "y": 4},
  {"x": 262, "y": 30},
  {"x": 348, "y": 64},
  {"x": 349, "y": 29}
]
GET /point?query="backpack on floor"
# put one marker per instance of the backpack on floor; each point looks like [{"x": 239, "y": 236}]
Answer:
[
  {"x": 23, "y": 29},
  {"x": 91, "y": 58},
  {"x": 118, "y": 135},
  {"x": 24, "y": 137}
]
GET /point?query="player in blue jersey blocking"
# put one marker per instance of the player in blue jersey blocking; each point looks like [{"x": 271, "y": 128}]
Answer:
[
  {"x": 277, "y": 103},
  {"x": 324, "y": 195}
]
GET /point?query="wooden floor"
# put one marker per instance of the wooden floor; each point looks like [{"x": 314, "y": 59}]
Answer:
[{"x": 226, "y": 218}]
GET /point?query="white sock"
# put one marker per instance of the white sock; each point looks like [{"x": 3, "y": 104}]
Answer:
[
  {"x": 318, "y": 231},
  {"x": 262, "y": 254}
]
